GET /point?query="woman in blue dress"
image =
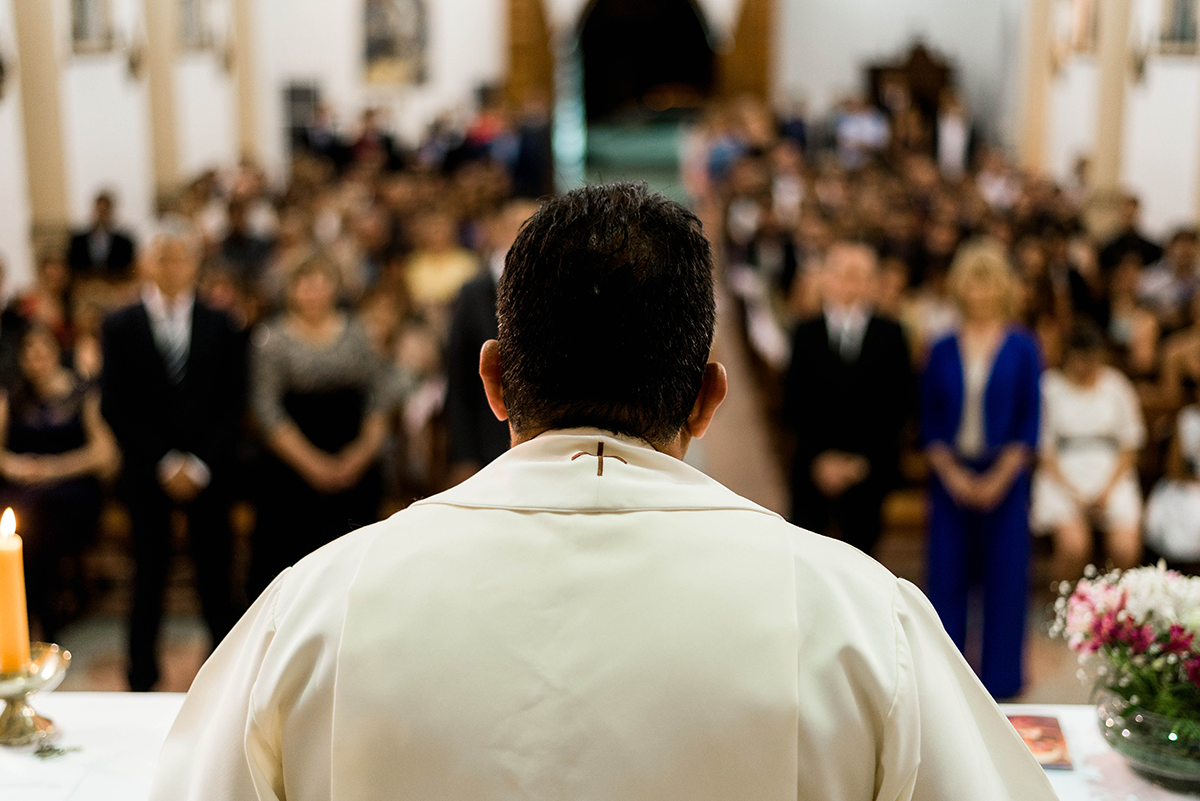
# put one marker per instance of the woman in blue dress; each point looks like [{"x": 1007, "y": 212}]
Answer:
[{"x": 979, "y": 425}]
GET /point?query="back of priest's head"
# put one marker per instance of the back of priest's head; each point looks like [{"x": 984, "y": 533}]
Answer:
[{"x": 606, "y": 314}]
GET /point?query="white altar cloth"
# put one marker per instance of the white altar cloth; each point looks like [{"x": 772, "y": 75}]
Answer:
[
  {"x": 1098, "y": 773},
  {"x": 119, "y": 736}
]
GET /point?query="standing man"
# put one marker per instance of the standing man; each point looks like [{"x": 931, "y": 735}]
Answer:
[
  {"x": 476, "y": 436},
  {"x": 588, "y": 617},
  {"x": 1129, "y": 238},
  {"x": 848, "y": 394},
  {"x": 103, "y": 250},
  {"x": 173, "y": 392}
]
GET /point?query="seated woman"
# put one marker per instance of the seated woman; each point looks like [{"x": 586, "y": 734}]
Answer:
[
  {"x": 48, "y": 301},
  {"x": 1092, "y": 430},
  {"x": 54, "y": 449},
  {"x": 1132, "y": 328},
  {"x": 1173, "y": 509},
  {"x": 437, "y": 269},
  {"x": 1180, "y": 375}
]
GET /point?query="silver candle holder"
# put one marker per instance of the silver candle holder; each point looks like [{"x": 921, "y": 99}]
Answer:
[{"x": 19, "y": 724}]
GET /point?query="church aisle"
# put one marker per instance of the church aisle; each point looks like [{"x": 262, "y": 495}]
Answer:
[{"x": 737, "y": 448}]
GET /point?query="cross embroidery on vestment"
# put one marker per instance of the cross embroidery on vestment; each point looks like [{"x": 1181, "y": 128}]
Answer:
[{"x": 599, "y": 454}]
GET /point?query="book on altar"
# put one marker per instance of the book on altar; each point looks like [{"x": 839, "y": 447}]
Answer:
[{"x": 1045, "y": 739}]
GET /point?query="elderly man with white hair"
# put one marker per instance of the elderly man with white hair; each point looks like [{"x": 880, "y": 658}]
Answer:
[{"x": 173, "y": 391}]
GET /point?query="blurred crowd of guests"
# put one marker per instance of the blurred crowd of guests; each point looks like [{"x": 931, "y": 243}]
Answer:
[
  {"x": 921, "y": 310},
  {"x": 300, "y": 350}
]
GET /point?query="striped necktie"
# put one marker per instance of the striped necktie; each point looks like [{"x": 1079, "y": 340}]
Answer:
[
  {"x": 176, "y": 356},
  {"x": 174, "y": 345}
]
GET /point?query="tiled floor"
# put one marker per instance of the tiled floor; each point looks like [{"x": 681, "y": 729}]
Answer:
[{"x": 737, "y": 451}]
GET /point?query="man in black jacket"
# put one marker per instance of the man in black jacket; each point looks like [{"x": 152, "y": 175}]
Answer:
[
  {"x": 476, "y": 436},
  {"x": 173, "y": 392},
  {"x": 1129, "y": 237},
  {"x": 103, "y": 250},
  {"x": 847, "y": 396}
]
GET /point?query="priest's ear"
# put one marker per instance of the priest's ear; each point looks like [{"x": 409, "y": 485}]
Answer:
[
  {"x": 489, "y": 371},
  {"x": 713, "y": 388}
]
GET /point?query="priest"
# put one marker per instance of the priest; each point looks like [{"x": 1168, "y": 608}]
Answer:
[{"x": 588, "y": 617}]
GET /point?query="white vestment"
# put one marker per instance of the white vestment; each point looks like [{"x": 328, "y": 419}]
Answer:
[{"x": 558, "y": 627}]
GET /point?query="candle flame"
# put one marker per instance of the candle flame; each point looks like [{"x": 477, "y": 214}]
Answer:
[{"x": 8, "y": 523}]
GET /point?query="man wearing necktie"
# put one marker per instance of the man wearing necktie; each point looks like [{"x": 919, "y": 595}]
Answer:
[
  {"x": 850, "y": 369},
  {"x": 173, "y": 392}
]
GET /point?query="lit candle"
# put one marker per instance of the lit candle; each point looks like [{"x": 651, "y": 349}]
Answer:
[{"x": 14, "y": 621}]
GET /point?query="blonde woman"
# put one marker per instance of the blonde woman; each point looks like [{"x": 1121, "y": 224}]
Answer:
[{"x": 979, "y": 423}]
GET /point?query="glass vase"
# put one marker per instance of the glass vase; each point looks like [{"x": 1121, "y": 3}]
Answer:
[{"x": 1161, "y": 749}]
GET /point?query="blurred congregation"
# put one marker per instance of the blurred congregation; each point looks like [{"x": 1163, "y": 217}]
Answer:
[
  {"x": 309, "y": 356},
  {"x": 948, "y": 325}
]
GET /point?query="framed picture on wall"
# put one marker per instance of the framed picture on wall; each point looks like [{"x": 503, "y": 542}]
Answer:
[
  {"x": 395, "y": 39},
  {"x": 91, "y": 26},
  {"x": 195, "y": 29},
  {"x": 1179, "y": 27}
]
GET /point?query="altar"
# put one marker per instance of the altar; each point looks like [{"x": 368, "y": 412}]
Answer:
[{"x": 109, "y": 745}]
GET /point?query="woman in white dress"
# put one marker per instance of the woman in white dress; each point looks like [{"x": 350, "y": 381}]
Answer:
[
  {"x": 1092, "y": 429},
  {"x": 1173, "y": 511}
]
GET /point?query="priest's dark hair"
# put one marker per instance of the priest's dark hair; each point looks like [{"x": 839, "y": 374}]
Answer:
[{"x": 606, "y": 314}]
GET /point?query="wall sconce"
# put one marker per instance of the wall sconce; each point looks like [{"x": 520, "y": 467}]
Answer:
[
  {"x": 132, "y": 44},
  {"x": 135, "y": 59},
  {"x": 3, "y": 74},
  {"x": 1138, "y": 56},
  {"x": 1060, "y": 51},
  {"x": 1145, "y": 42}
]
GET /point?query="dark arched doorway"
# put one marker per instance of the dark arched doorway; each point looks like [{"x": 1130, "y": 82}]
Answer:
[{"x": 644, "y": 56}]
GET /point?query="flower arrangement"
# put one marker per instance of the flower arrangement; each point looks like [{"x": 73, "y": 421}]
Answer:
[{"x": 1143, "y": 625}]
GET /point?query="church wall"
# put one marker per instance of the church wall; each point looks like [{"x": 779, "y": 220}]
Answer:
[
  {"x": 1071, "y": 115},
  {"x": 321, "y": 42},
  {"x": 1160, "y": 136},
  {"x": 106, "y": 135},
  {"x": 823, "y": 46},
  {"x": 105, "y": 118},
  {"x": 1161, "y": 162},
  {"x": 206, "y": 112},
  {"x": 14, "y": 195}
]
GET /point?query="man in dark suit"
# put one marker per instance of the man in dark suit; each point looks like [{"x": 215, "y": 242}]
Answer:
[
  {"x": 173, "y": 392},
  {"x": 476, "y": 436},
  {"x": 103, "y": 250},
  {"x": 1129, "y": 238},
  {"x": 847, "y": 396}
]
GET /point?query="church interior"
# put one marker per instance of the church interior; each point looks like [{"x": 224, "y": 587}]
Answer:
[{"x": 386, "y": 152}]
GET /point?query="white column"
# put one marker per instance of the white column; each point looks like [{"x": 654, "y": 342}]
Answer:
[
  {"x": 245, "y": 67},
  {"x": 1037, "y": 87},
  {"x": 162, "y": 42},
  {"x": 39, "y": 71},
  {"x": 1113, "y": 56}
]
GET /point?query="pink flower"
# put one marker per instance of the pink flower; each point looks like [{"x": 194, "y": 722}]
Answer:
[
  {"x": 1139, "y": 638},
  {"x": 1193, "y": 670},
  {"x": 1180, "y": 641},
  {"x": 1104, "y": 629}
]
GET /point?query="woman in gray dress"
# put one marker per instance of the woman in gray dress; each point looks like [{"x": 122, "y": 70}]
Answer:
[{"x": 317, "y": 395}]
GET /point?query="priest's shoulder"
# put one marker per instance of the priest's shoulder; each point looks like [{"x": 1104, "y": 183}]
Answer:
[
  {"x": 826, "y": 565},
  {"x": 322, "y": 575}
]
